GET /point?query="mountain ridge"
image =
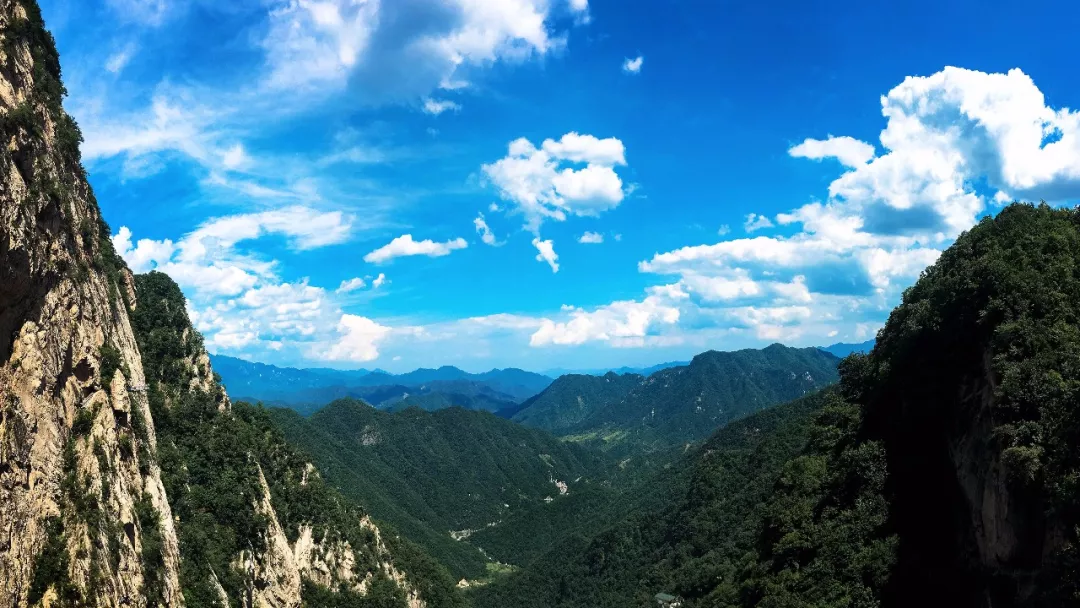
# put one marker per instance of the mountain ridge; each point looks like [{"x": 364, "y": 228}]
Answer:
[
  {"x": 940, "y": 469},
  {"x": 314, "y": 387},
  {"x": 677, "y": 405},
  {"x": 842, "y": 350}
]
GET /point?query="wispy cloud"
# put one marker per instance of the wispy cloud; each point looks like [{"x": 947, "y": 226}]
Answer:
[
  {"x": 146, "y": 12},
  {"x": 119, "y": 60},
  {"x": 438, "y": 106},
  {"x": 484, "y": 231}
]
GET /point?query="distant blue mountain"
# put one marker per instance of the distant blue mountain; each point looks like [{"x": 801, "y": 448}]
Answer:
[
  {"x": 308, "y": 389},
  {"x": 641, "y": 371},
  {"x": 842, "y": 350}
]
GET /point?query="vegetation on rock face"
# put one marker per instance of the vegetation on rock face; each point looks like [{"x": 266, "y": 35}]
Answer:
[
  {"x": 110, "y": 364},
  {"x": 53, "y": 567},
  {"x": 974, "y": 383},
  {"x": 211, "y": 459},
  {"x": 152, "y": 546},
  {"x": 383, "y": 593}
]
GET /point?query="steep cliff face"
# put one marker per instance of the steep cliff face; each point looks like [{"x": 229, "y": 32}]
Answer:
[
  {"x": 257, "y": 524},
  {"x": 82, "y": 517},
  {"x": 974, "y": 387},
  {"x": 127, "y": 478}
]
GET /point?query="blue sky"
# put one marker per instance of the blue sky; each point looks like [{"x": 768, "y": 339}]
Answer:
[{"x": 557, "y": 183}]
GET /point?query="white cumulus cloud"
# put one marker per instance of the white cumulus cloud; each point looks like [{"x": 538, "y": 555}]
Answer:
[
  {"x": 624, "y": 323},
  {"x": 594, "y": 238},
  {"x": 953, "y": 142},
  {"x": 359, "y": 341},
  {"x": 236, "y": 298},
  {"x": 546, "y": 253},
  {"x": 351, "y": 285},
  {"x": 404, "y": 246},
  {"x": 848, "y": 150},
  {"x": 206, "y": 260},
  {"x": 633, "y": 66},
  {"x": 544, "y": 183}
]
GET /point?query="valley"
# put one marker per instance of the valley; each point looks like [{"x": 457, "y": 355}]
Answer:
[{"x": 141, "y": 466}]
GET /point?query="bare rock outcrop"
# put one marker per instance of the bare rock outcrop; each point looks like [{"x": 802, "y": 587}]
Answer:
[
  {"x": 72, "y": 484},
  {"x": 276, "y": 574},
  {"x": 84, "y": 515}
]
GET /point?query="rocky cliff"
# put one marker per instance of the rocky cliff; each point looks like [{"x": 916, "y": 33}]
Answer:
[
  {"x": 257, "y": 524},
  {"x": 126, "y": 476},
  {"x": 71, "y": 490},
  {"x": 974, "y": 387}
]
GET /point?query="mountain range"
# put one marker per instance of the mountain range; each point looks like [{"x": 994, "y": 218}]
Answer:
[
  {"x": 939, "y": 470},
  {"x": 309, "y": 389},
  {"x": 641, "y": 371},
  {"x": 468, "y": 486},
  {"x": 842, "y": 350},
  {"x": 677, "y": 405},
  {"x": 935, "y": 466}
]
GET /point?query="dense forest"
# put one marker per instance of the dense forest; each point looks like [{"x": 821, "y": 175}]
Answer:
[
  {"x": 433, "y": 473},
  {"x": 940, "y": 467},
  {"x": 213, "y": 455},
  {"x": 632, "y": 415},
  {"x": 679, "y": 532}
]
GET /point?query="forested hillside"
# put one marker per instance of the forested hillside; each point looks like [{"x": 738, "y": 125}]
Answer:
[
  {"x": 240, "y": 492},
  {"x": 433, "y": 473},
  {"x": 572, "y": 399},
  {"x": 681, "y": 530},
  {"x": 630, "y": 414},
  {"x": 940, "y": 470}
]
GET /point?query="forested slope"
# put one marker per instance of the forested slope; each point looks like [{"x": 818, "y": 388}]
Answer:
[
  {"x": 632, "y": 415},
  {"x": 676, "y": 531},
  {"x": 433, "y": 473},
  {"x": 941, "y": 470},
  {"x": 246, "y": 501}
]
